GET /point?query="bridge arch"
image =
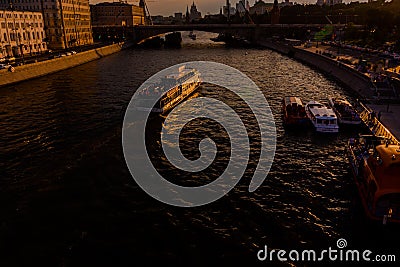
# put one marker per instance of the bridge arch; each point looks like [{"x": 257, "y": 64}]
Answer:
[
  {"x": 252, "y": 32},
  {"x": 144, "y": 32}
]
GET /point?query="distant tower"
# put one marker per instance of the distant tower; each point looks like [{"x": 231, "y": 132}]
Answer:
[
  {"x": 194, "y": 13},
  {"x": 228, "y": 7},
  {"x": 187, "y": 16},
  {"x": 275, "y": 13}
]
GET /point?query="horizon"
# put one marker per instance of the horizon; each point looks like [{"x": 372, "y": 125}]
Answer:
[{"x": 170, "y": 7}]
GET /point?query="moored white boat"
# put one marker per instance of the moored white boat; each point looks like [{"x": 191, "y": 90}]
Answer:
[
  {"x": 345, "y": 111},
  {"x": 323, "y": 118}
]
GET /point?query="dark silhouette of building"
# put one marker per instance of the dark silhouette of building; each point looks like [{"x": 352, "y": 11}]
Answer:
[
  {"x": 117, "y": 14},
  {"x": 147, "y": 17},
  {"x": 194, "y": 13},
  {"x": 275, "y": 13},
  {"x": 187, "y": 16}
]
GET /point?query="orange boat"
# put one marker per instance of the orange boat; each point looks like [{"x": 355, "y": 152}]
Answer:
[
  {"x": 294, "y": 112},
  {"x": 375, "y": 164}
]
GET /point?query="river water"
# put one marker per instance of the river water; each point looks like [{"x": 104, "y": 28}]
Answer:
[{"x": 67, "y": 198}]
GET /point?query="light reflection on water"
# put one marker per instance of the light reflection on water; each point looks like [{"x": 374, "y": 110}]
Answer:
[{"x": 64, "y": 172}]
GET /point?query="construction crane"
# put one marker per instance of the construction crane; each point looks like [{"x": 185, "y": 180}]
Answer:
[
  {"x": 143, "y": 4},
  {"x": 246, "y": 12},
  {"x": 327, "y": 18}
]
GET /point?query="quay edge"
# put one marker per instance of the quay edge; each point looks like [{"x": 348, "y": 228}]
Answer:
[
  {"x": 39, "y": 69},
  {"x": 350, "y": 78}
]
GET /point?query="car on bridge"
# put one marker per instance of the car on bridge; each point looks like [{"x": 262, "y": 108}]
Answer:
[{"x": 4, "y": 66}]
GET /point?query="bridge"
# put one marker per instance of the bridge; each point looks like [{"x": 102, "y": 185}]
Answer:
[{"x": 251, "y": 32}]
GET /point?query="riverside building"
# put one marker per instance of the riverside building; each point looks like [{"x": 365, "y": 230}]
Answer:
[
  {"x": 66, "y": 22},
  {"x": 21, "y": 33}
]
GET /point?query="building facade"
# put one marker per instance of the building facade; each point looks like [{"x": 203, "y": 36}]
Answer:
[
  {"x": 242, "y": 6},
  {"x": 286, "y": 3},
  {"x": 66, "y": 22},
  {"x": 21, "y": 33},
  {"x": 275, "y": 13},
  {"x": 117, "y": 14},
  {"x": 228, "y": 9},
  {"x": 329, "y": 2},
  {"x": 260, "y": 8},
  {"x": 194, "y": 13}
]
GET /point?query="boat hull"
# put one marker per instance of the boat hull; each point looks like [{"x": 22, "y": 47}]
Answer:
[
  {"x": 362, "y": 176},
  {"x": 193, "y": 87},
  {"x": 293, "y": 112},
  {"x": 319, "y": 129},
  {"x": 350, "y": 123}
]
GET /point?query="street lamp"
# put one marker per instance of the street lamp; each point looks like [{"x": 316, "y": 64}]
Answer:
[
  {"x": 20, "y": 48},
  {"x": 29, "y": 38},
  {"x": 2, "y": 49}
]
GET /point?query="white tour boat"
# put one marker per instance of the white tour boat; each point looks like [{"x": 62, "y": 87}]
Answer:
[
  {"x": 323, "y": 118},
  {"x": 170, "y": 91}
]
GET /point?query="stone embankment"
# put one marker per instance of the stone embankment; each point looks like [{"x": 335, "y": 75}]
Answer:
[
  {"x": 346, "y": 75},
  {"x": 31, "y": 71}
]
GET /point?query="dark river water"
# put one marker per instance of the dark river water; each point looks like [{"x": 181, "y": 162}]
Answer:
[{"x": 67, "y": 197}]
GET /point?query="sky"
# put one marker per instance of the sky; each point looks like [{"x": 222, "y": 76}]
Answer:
[{"x": 169, "y": 7}]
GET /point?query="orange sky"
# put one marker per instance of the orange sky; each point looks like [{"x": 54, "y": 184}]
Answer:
[{"x": 169, "y": 7}]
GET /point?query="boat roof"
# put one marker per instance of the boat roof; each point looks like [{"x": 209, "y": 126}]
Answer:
[
  {"x": 340, "y": 101},
  {"x": 167, "y": 83},
  {"x": 182, "y": 71},
  {"x": 388, "y": 174},
  {"x": 320, "y": 111},
  {"x": 289, "y": 100}
]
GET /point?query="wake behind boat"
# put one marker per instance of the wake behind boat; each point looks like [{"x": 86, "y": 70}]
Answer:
[
  {"x": 323, "y": 118},
  {"x": 170, "y": 91},
  {"x": 345, "y": 111}
]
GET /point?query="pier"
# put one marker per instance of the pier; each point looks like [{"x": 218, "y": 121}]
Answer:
[{"x": 389, "y": 122}]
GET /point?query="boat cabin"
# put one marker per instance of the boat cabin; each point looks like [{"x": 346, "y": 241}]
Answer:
[{"x": 383, "y": 181}]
